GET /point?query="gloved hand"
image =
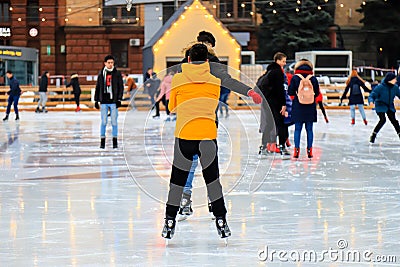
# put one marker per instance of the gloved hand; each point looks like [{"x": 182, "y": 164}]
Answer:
[
  {"x": 96, "y": 105},
  {"x": 9, "y": 92},
  {"x": 256, "y": 97},
  {"x": 118, "y": 104}
]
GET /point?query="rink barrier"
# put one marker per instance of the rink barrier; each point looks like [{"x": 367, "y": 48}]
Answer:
[{"x": 62, "y": 98}]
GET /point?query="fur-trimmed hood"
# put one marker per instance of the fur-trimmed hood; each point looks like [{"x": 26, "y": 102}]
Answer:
[
  {"x": 75, "y": 75},
  {"x": 303, "y": 63},
  {"x": 185, "y": 50}
]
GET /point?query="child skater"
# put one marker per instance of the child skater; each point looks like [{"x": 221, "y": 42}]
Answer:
[
  {"x": 303, "y": 113},
  {"x": 383, "y": 98},
  {"x": 194, "y": 98},
  {"x": 354, "y": 83}
]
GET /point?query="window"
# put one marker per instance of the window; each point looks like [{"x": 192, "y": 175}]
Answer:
[
  {"x": 244, "y": 9},
  {"x": 5, "y": 12},
  {"x": 225, "y": 9},
  {"x": 119, "y": 49},
  {"x": 32, "y": 11},
  {"x": 119, "y": 15}
]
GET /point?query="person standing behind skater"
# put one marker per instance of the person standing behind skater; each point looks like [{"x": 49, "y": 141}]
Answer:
[
  {"x": 194, "y": 98},
  {"x": 76, "y": 89},
  {"x": 383, "y": 98},
  {"x": 303, "y": 113},
  {"x": 109, "y": 92},
  {"x": 354, "y": 84},
  {"x": 44, "y": 83},
  {"x": 273, "y": 88},
  {"x": 13, "y": 95}
]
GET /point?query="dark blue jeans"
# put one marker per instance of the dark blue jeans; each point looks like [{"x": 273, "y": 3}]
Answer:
[
  {"x": 298, "y": 126},
  {"x": 12, "y": 99}
]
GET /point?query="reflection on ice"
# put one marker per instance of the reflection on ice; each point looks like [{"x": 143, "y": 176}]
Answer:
[{"x": 65, "y": 202}]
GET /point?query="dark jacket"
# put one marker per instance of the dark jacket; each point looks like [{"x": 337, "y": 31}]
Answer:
[
  {"x": 15, "y": 90},
  {"x": 154, "y": 83},
  {"x": 302, "y": 112},
  {"x": 117, "y": 87},
  {"x": 355, "y": 99},
  {"x": 219, "y": 70},
  {"x": 44, "y": 82},
  {"x": 76, "y": 89},
  {"x": 272, "y": 87},
  {"x": 383, "y": 97}
]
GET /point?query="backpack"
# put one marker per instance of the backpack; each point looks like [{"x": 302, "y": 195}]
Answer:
[
  {"x": 305, "y": 92},
  {"x": 355, "y": 89},
  {"x": 263, "y": 85}
]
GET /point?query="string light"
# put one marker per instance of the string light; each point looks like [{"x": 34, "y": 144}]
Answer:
[
  {"x": 319, "y": 7},
  {"x": 274, "y": 11},
  {"x": 43, "y": 19},
  {"x": 11, "y": 8},
  {"x": 40, "y": 9},
  {"x": 271, "y": 4},
  {"x": 19, "y": 19}
]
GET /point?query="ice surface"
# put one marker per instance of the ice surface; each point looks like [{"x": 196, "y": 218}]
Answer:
[{"x": 65, "y": 202}]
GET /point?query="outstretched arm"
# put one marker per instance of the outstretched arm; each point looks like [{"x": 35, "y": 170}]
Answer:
[{"x": 219, "y": 71}]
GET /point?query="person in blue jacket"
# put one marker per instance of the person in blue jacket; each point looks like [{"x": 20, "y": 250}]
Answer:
[
  {"x": 303, "y": 113},
  {"x": 354, "y": 83},
  {"x": 383, "y": 98},
  {"x": 13, "y": 95}
]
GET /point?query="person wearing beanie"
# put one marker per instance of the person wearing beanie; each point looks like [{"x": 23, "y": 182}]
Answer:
[
  {"x": 303, "y": 113},
  {"x": 109, "y": 92},
  {"x": 76, "y": 89},
  {"x": 383, "y": 98},
  {"x": 354, "y": 83}
]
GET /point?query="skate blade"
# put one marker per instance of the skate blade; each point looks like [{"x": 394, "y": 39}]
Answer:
[
  {"x": 182, "y": 218},
  {"x": 226, "y": 242}
]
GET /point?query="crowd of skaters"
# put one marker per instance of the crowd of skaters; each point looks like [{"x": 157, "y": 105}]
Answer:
[{"x": 281, "y": 107}]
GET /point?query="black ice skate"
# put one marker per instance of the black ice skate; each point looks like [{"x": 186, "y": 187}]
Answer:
[
  {"x": 263, "y": 150},
  {"x": 222, "y": 227},
  {"x": 285, "y": 154},
  {"x": 372, "y": 138},
  {"x": 185, "y": 209},
  {"x": 169, "y": 228}
]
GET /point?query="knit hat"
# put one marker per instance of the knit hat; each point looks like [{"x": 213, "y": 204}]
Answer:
[{"x": 390, "y": 76}]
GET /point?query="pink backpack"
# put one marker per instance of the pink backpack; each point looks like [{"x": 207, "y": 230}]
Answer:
[{"x": 305, "y": 92}]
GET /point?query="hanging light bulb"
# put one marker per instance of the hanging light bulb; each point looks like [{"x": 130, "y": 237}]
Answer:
[{"x": 271, "y": 4}]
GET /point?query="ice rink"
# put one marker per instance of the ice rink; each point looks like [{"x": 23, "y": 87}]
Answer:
[{"x": 65, "y": 202}]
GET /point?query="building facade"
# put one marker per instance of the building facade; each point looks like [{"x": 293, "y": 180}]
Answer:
[{"x": 74, "y": 36}]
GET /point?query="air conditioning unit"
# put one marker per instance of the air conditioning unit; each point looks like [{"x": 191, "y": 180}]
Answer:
[{"x": 134, "y": 42}]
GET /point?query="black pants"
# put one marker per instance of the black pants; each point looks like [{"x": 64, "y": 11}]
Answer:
[
  {"x": 184, "y": 150},
  {"x": 77, "y": 99},
  {"x": 280, "y": 126},
  {"x": 382, "y": 120},
  {"x": 165, "y": 103}
]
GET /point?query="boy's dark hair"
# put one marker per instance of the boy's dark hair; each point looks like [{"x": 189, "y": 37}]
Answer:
[
  {"x": 198, "y": 52},
  {"x": 108, "y": 57},
  {"x": 206, "y": 37},
  {"x": 9, "y": 72},
  {"x": 279, "y": 56}
]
